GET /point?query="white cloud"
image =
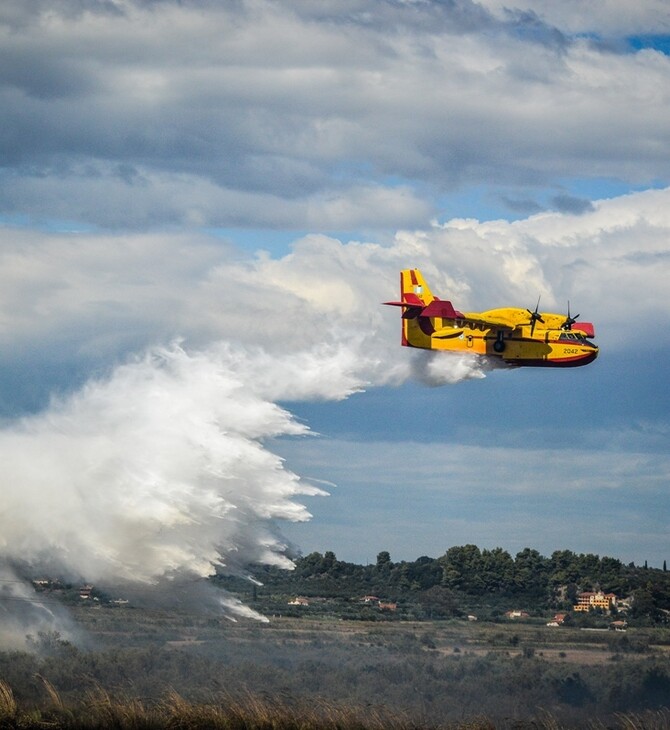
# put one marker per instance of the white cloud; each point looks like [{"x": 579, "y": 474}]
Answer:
[
  {"x": 255, "y": 114},
  {"x": 99, "y": 296}
]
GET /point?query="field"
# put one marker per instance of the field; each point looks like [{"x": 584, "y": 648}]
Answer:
[{"x": 328, "y": 672}]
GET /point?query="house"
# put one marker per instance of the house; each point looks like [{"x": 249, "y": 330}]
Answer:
[
  {"x": 595, "y": 599},
  {"x": 369, "y": 599},
  {"x": 299, "y": 601},
  {"x": 85, "y": 592},
  {"x": 623, "y": 605},
  {"x": 47, "y": 584},
  {"x": 516, "y": 614},
  {"x": 558, "y": 620},
  {"x": 383, "y": 606}
]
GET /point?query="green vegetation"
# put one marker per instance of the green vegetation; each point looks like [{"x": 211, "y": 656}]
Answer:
[
  {"x": 389, "y": 645},
  {"x": 177, "y": 670},
  {"x": 465, "y": 580}
]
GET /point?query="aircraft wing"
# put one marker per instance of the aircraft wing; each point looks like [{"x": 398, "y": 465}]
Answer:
[
  {"x": 415, "y": 307},
  {"x": 490, "y": 320}
]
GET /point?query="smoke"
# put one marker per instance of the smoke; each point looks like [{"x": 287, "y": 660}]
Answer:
[{"x": 24, "y": 616}]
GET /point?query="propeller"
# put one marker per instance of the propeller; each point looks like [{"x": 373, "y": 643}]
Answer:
[
  {"x": 569, "y": 321},
  {"x": 535, "y": 317}
]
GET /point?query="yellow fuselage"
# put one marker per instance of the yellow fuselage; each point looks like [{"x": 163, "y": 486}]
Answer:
[{"x": 545, "y": 344}]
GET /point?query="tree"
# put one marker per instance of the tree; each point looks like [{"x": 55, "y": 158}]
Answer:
[
  {"x": 329, "y": 561},
  {"x": 383, "y": 559},
  {"x": 424, "y": 572},
  {"x": 462, "y": 568},
  {"x": 643, "y": 603},
  {"x": 497, "y": 569},
  {"x": 530, "y": 574},
  {"x": 439, "y": 602}
]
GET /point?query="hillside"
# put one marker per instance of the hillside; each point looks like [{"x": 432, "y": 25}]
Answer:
[{"x": 463, "y": 581}]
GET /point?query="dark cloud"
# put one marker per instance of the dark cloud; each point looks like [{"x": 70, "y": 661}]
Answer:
[
  {"x": 528, "y": 26},
  {"x": 524, "y": 206},
  {"x": 570, "y": 204}
]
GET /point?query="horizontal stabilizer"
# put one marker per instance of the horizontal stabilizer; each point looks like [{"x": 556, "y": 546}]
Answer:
[
  {"x": 409, "y": 300},
  {"x": 437, "y": 308},
  {"x": 440, "y": 308}
]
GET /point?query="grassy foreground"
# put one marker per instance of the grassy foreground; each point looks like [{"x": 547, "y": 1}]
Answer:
[{"x": 97, "y": 710}]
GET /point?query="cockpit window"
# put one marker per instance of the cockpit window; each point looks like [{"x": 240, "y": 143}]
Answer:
[{"x": 572, "y": 337}]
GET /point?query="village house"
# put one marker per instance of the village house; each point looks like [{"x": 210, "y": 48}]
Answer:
[
  {"x": 558, "y": 620},
  {"x": 516, "y": 614},
  {"x": 386, "y": 606},
  {"x": 595, "y": 599},
  {"x": 299, "y": 601},
  {"x": 47, "y": 584}
]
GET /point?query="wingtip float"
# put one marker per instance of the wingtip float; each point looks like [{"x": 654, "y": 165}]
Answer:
[{"x": 517, "y": 336}]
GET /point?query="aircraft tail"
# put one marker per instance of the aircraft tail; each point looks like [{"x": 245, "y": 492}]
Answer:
[
  {"x": 413, "y": 288},
  {"x": 420, "y": 308},
  {"x": 414, "y": 292}
]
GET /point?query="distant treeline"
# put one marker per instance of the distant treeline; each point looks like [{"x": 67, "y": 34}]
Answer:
[{"x": 466, "y": 576}]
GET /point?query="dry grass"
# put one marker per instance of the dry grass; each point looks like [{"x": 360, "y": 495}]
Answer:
[
  {"x": 8, "y": 706},
  {"x": 98, "y": 710}
]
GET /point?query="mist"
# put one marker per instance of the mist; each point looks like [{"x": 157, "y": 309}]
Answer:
[{"x": 436, "y": 369}]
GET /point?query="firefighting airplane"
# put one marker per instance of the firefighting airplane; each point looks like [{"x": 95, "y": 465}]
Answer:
[{"x": 517, "y": 336}]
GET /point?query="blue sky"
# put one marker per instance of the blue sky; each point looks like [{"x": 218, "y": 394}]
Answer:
[{"x": 202, "y": 207}]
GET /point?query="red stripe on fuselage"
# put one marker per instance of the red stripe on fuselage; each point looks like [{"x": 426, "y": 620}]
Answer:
[{"x": 562, "y": 362}]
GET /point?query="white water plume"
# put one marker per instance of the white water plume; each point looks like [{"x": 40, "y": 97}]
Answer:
[
  {"x": 159, "y": 473},
  {"x": 435, "y": 369},
  {"x": 157, "y": 476}
]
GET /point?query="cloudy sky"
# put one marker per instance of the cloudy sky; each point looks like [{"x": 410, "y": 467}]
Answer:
[{"x": 203, "y": 204}]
